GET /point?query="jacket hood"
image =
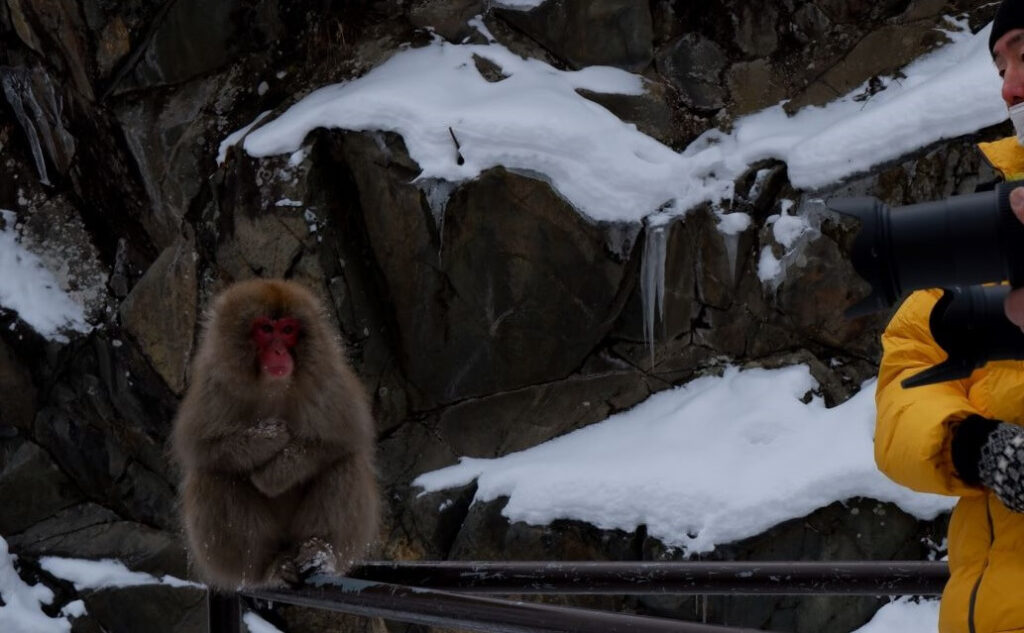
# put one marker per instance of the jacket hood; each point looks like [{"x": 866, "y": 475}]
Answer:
[{"x": 1006, "y": 156}]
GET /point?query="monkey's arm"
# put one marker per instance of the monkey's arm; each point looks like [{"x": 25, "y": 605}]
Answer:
[
  {"x": 243, "y": 451},
  {"x": 296, "y": 463}
]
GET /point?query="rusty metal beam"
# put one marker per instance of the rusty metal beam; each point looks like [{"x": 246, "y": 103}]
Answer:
[
  {"x": 225, "y": 612},
  {"x": 690, "y": 577},
  {"x": 425, "y": 592},
  {"x": 465, "y": 612}
]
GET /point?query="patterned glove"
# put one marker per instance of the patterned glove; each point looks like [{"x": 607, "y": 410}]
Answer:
[{"x": 1001, "y": 465}]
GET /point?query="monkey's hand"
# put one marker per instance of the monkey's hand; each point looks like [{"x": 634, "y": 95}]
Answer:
[
  {"x": 283, "y": 572},
  {"x": 316, "y": 556},
  {"x": 272, "y": 430},
  {"x": 294, "y": 464},
  {"x": 242, "y": 450},
  {"x": 263, "y": 440},
  {"x": 292, "y": 568}
]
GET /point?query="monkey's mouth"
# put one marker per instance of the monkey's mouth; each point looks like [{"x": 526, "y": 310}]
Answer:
[
  {"x": 277, "y": 372},
  {"x": 278, "y": 368},
  {"x": 277, "y": 363}
]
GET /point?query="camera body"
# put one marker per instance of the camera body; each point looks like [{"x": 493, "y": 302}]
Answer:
[{"x": 954, "y": 244}]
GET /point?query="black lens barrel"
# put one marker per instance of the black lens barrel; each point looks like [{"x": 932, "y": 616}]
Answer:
[
  {"x": 954, "y": 244},
  {"x": 948, "y": 242},
  {"x": 960, "y": 241}
]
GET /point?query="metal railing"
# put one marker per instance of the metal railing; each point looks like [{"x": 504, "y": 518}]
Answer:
[
  {"x": 870, "y": 578},
  {"x": 442, "y": 593}
]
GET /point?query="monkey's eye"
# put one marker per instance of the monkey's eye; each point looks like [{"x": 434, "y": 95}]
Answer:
[
  {"x": 288, "y": 329},
  {"x": 262, "y": 329}
]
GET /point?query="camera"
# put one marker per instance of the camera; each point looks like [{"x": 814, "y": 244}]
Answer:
[{"x": 955, "y": 244}]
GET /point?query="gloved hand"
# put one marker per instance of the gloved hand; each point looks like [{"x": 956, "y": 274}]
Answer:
[
  {"x": 991, "y": 453},
  {"x": 1001, "y": 465}
]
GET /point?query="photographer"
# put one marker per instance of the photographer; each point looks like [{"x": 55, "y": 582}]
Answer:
[
  {"x": 1015, "y": 300},
  {"x": 965, "y": 437}
]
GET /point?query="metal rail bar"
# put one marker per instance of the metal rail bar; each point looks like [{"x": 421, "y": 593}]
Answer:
[
  {"x": 225, "y": 612},
  {"x": 468, "y": 613},
  {"x": 872, "y": 578}
]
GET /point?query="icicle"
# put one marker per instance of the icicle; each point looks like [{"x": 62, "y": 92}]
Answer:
[
  {"x": 14, "y": 86},
  {"x": 652, "y": 280},
  {"x": 759, "y": 179},
  {"x": 38, "y": 108},
  {"x": 730, "y": 226},
  {"x": 732, "y": 247},
  {"x": 437, "y": 192}
]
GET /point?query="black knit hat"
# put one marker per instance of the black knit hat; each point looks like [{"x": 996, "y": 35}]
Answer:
[{"x": 1009, "y": 16}]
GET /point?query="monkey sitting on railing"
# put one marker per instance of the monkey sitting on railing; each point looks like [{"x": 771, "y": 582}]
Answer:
[{"x": 276, "y": 442}]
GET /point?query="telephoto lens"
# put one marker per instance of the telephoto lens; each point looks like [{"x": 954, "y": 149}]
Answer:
[
  {"x": 952, "y": 244},
  {"x": 959, "y": 241}
]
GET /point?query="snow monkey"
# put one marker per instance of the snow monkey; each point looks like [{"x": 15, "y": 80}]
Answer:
[{"x": 276, "y": 443}]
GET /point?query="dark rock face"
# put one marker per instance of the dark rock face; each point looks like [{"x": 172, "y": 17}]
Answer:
[
  {"x": 31, "y": 482},
  {"x": 162, "y": 608},
  {"x": 694, "y": 64},
  {"x": 34, "y": 99},
  {"x": 590, "y": 32},
  {"x": 484, "y": 317},
  {"x": 859, "y": 529},
  {"x": 160, "y": 312},
  {"x": 91, "y": 531},
  {"x": 480, "y": 318},
  {"x": 193, "y": 38},
  {"x": 17, "y": 407}
]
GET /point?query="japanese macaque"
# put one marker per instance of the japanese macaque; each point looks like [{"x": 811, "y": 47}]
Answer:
[{"x": 276, "y": 443}]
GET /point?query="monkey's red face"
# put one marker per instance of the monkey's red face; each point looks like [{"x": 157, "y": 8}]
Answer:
[{"x": 274, "y": 341}]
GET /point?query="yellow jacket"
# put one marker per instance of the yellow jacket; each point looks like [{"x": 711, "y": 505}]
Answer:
[{"x": 985, "y": 593}]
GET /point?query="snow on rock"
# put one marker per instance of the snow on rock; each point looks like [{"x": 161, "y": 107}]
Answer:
[
  {"x": 711, "y": 462},
  {"x": 948, "y": 93},
  {"x": 905, "y": 615},
  {"x": 21, "y": 604},
  {"x": 788, "y": 228},
  {"x": 768, "y": 266},
  {"x": 256, "y": 624},
  {"x": 519, "y": 5},
  {"x": 456, "y": 124},
  {"x": 236, "y": 136},
  {"x": 29, "y": 288},
  {"x": 96, "y": 574}
]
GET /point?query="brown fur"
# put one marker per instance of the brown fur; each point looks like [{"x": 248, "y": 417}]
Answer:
[{"x": 279, "y": 479}]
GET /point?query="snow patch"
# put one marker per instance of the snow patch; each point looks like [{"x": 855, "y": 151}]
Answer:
[
  {"x": 768, "y": 266},
  {"x": 29, "y": 288},
  {"x": 256, "y": 624},
  {"x": 905, "y": 615},
  {"x": 21, "y": 608},
  {"x": 714, "y": 461},
  {"x": 519, "y": 5},
  {"x": 535, "y": 122},
  {"x": 236, "y": 136},
  {"x": 96, "y": 574}
]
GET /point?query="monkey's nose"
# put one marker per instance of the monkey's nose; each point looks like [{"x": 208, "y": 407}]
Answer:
[{"x": 276, "y": 360}]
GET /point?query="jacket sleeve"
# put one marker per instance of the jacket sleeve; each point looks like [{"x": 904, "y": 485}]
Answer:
[{"x": 913, "y": 430}]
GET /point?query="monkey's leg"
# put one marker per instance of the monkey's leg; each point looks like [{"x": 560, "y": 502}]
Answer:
[
  {"x": 233, "y": 532},
  {"x": 337, "y": 519}
]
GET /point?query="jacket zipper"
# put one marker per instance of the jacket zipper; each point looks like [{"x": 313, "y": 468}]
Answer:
[{"x": 977, "y": 583}]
